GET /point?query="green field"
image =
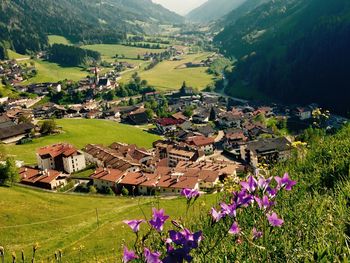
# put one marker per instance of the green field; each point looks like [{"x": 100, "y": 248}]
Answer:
[
  {"x": 54, "y": 39},
  {"x": 167, "y": 76},
  {"x": 49, "y": 72},
  {"x": 68, "y": 222},
  {"x": 109, "y": 50},
  {"x": 52, "y": 72},
  {"x": 80, "y": 132},
  {"x": 14, "y": 55}
]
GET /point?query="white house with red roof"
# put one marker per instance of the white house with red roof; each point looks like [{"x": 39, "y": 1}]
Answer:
[
  {"x": 202, "y": 143},
  {"x": 47, "y": 179},
  {"x": 61, "y": 157}
]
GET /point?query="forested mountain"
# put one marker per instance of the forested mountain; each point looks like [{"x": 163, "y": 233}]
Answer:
[
  {"x": 296, "y": 51},
  {"x": 241, "y": 10},
  {"x": 213, "y": 9},
  {"x": 24, "y": 24}
]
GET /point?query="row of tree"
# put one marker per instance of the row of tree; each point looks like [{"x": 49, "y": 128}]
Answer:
[{"x": 71, "y": 55}]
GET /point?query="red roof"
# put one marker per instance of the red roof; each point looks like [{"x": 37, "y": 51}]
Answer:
[
  {"x": 31, "y": 175},
  {"x": 169, "y": 121},
  {"x": 109, "y": 175},
  {"x": 200, "y": 140},
  {"x": 133, "y": 179},
  {"x": 58, "y": 149}
]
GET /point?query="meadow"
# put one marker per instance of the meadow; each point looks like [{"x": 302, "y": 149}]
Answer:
[
  {"x": 49, "y": 72},
  {"x": 81, "y": 132},
  {"x": 55, "y": 39},
  {"x": 168, "y": 76},
  {"x": 69, "y": 222},
  {"x": 52, "y": 72},
  {"x": 110, "y": 50}
]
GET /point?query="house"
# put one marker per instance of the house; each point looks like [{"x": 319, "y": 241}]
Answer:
[
  {"x": 106, "y": 178},
  {"x": 229, "y": 120},
  {"x": 11, "y": 132},
  {"x": 179, "y": 116},
  {"x": 207, "y": 130},
  {"x": 61, "y": 157},
  {"x": 266, "y": 151},
  {"x": 201, "y": 116},
  {"x": 140, "y": 155},
  {"x": 47, "y": 179},
  {"x": 303, "y": 113},
  {"x": 138, "y": 117},
  {"x": 49, "y": 110},
  {"x": 110, "y": 158},
  {"x": 120, "y": 112},
  {"x": 233, "y": 140},
  {"x": 166, "y": 125},
  {"x": 131, "y": 181},
  {"x": 103, "y": 84},
  {"x": 202, "y": 143},
  {"x": 175, "y": 155}
]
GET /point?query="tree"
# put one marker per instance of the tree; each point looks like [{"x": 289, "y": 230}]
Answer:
[
  {"x": 48, "y": 127},
  {"x": 212, "y": 116},
  {"x": 188, "y": 112},
  {"x": 109, "y": 191},
  {"x": 2, "y": 152},
  {"x": 124, "y": 191},
  {"x": 24, "y": 119},
  {"x": 9, "y": 172},
  {"x": 131, "y": 102},
  {"x": 92, "y": 190},
  {"x": 108, "y": 95},
  {"x": 150, "y": 114}
]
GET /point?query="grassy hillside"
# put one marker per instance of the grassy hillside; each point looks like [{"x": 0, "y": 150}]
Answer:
[
  {"x": 55, "y": 39},
  {"x": 109, "y": 50},
  {"x": 52, "y": 72},
  {"x": 168, "y": 76},
  {"x": 14, "y": 55},
  {"x": 80, "y": 132},
  {"x": 68, "y": 222}
]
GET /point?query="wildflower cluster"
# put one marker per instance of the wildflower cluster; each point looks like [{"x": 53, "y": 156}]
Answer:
[{"x": 181, "y": 244}]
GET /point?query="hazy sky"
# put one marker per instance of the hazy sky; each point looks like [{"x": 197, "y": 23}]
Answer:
[{"x": 180, "y": 6}]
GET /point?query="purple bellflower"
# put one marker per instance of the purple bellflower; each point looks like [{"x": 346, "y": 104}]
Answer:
[
  {"x": 134, "y": 224},
  {"x": 274, "y": 220},
  {"x": 128, "y": 255},
  {"x": 250, "y": 185},
  {"x": 264, "y": 203},
  {"x": 158, "y": 219},
  {"x": 256, "y": 234},
  {"x": 152, "y": 257},
  {"x": 285, "y": 182},
  {"x": 215, "y": 215},
  {"x": 189, "y": 193},
  {"x": 234, "y": 230}
]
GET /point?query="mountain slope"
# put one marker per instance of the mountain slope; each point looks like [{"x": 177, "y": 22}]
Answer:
[
  {"x": 242, "y": 10},
  {"x": 213, "y": 10},
  {"x": 25, "y": 24},
  {"x": 295, "y": 51}
]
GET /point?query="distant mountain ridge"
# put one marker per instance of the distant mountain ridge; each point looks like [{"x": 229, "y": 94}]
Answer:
[
  {"x": 295, "y": 51},
  {"x": 24, "y": 25},
  {"x": 213, "y": 10}
]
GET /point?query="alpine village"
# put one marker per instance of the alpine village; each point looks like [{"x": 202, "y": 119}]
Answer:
[{"x": 174, "y": 131}]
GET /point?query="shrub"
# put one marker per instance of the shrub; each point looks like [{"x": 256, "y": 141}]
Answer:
[
  {"x": 92, "y": 190},
  {"x": 124, "y": 191}
]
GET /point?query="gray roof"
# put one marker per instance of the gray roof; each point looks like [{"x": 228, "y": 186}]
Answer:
[
  {"x": 16, "y": 130},
  {"x": 267, "y": 145}
]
